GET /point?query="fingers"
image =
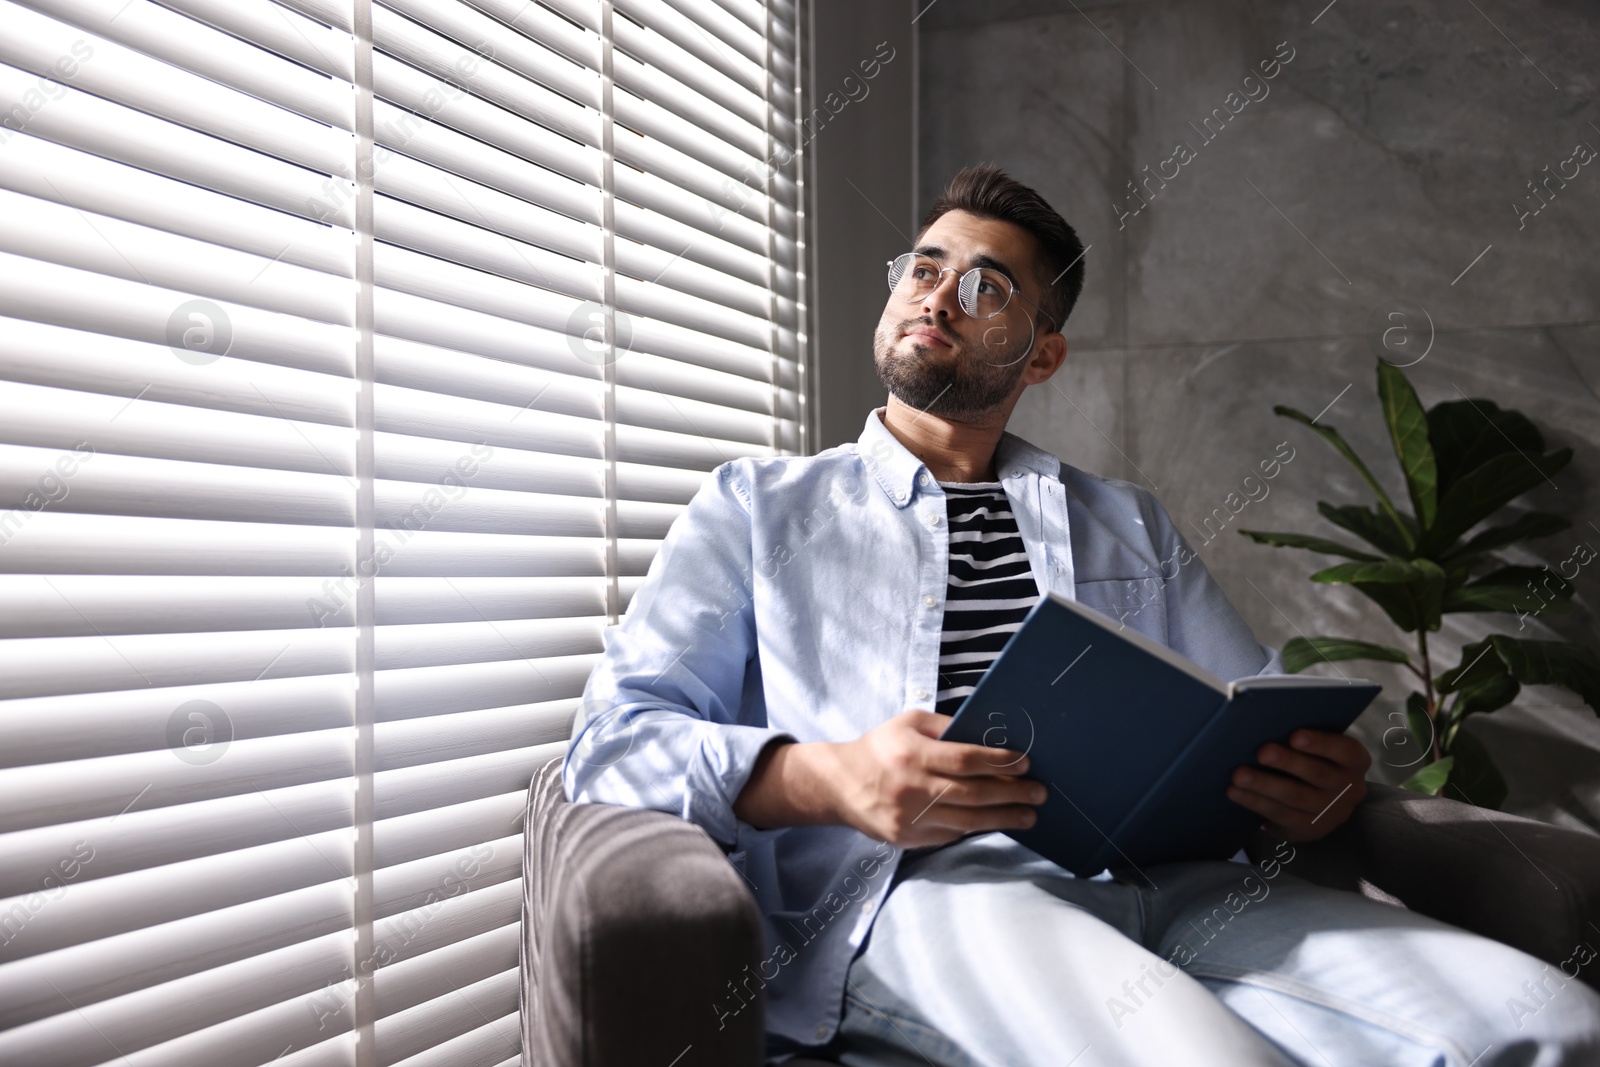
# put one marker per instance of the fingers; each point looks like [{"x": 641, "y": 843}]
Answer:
[
  {"x": 1295, "y": 807},
  {"x": 957, "y": 760},
  {"x": 982, "y": 792},
  {"x": 1342, "y": 749},
  {"x": 1292, "y": 824},
  {"x": 960, "y": 758},
  {"x": 1296, "y": 824},
  {"x": 901, "y": 783},
  {"x": 1325, "y": 762},
  {"x": 979, "y": 803},
  {"x": 975, "y": 819},
  {"x": 1282, "y": 795},
  {"x": 1314, "y": 770}
]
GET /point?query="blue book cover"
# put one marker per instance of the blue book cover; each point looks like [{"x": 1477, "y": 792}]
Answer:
[{"x": 1136, "y": 743}]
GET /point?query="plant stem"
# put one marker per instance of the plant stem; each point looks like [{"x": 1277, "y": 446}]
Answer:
[{"x": 1427, "y": 681}]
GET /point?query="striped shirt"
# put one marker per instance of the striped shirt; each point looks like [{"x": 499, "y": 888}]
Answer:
[{"x": 991, "y": 587}]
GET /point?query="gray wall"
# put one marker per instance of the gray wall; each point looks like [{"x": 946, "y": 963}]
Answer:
[
  {"x": 1384, "y": 158},
  {"x": 863, "y": 160}
]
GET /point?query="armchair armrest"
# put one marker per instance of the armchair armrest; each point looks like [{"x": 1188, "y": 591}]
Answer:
[
  {"x": 634, "y": 925},
  {"x": 1525, "y": 883}
]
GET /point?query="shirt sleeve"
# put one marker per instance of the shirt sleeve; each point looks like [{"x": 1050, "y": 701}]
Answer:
[
  {"x": 1202, "y": 622},
  {"x": 668, "y": 716}
]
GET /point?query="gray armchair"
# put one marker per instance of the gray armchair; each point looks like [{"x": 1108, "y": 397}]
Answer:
[{"x": 633, "y": 920}]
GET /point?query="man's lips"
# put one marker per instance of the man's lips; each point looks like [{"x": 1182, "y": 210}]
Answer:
[{"x": 928, "y": 336}]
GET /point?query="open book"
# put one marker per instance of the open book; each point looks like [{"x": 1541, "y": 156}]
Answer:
[{"x": 1136, "y": 743}]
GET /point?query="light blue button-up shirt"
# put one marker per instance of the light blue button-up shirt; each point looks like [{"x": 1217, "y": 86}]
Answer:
[{"x": 803, "y": 597}]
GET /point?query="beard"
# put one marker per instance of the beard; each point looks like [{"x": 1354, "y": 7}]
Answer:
[{"x": 962, "y": 385}]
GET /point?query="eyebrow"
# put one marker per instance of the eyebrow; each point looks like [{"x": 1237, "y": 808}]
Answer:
[{"x": 939, "y": 253}]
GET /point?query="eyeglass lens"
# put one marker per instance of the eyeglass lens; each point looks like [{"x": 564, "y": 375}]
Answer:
[{"x": 983, "y": 292}]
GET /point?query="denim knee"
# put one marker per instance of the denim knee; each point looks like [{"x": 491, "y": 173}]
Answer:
[{"x": 1553, "y": 1011}]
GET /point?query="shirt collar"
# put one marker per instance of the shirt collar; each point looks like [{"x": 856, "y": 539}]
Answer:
[{"x": 896, "y": 468}]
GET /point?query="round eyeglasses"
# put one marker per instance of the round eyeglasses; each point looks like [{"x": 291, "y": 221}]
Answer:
[{"x": 983, "y": 292}]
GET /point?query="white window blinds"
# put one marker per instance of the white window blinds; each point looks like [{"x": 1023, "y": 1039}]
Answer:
[{"x": 354, "y": 360}]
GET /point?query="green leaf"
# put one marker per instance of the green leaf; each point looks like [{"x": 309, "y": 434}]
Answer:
[
  {"x": 1492, "y": 672},
  {"x": 1302, "y": 652},
  {"x": 1315, "y": 544},
  {"x": 1551, "y": 663},
  {"x": 1334, "y": 438},
  {"x": 1368, "y": 525},
  {"x": 1485, "y": 489},
  {"x": 1456, "y": 573},
  {"x": 1408, "y": 432},
  {"x": 1490, "y": 694},
  {"x": 1486, "y": 596},
  {"x": 1397, "y": 602},
  {"x": 1547, "y": 584},
  {"x": 1467, "y": 433},
  {"x": 1429, "y": 592},
  {"x": 1524, "y": 527},
  {"x": 1479, "y": 663},
  {"x": 1431, "y": 778},
  {"x": 1473, "y": 775},
  {"x": 1384, "y": 570},
  {"x": 1417, "y": 720},
  {"x": 1410, "y": 591},
  {"x": 1523, "y": 590}
]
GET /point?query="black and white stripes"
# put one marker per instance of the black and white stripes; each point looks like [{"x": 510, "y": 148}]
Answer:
[{"x": 991, "y": 587}]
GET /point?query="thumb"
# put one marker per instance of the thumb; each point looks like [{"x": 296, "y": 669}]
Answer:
[{"x": 928, "y": 723}]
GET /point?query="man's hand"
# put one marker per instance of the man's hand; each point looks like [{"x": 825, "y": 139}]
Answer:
[
  {"x": 1323, "y": 779},
  {"x": 897, "y": 783},
  {"x": 900, "y": 784}
]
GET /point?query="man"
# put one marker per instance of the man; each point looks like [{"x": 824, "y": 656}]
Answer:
[{"x": 783, "y": 675}]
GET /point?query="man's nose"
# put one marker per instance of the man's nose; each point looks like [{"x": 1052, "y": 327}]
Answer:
[{"x": 944, "y": 299}]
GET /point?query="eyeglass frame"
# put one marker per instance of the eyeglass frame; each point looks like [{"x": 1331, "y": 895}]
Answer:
[{"x": 1016, "y": 290}]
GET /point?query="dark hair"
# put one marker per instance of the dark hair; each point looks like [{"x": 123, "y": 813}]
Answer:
[{"x": 990, "y": 192}]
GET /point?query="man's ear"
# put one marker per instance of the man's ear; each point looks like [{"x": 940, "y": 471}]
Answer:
[{"x": 1049, "y": 353}]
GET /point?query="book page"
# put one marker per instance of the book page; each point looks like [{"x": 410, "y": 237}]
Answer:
[{"x": 1290, "y": 681}]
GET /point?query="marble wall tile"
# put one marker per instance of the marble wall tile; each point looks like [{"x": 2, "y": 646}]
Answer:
[
  {"x": 1077, "y": 414},
  {"x": 946, "y": 14},
  {"x": 1581, "y": 346},
  {"x": 1383, "y": 158},
  {"x": 997, "y": 93}
]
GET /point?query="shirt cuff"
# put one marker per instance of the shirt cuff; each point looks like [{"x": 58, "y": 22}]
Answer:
[{"x": 721, "y": 767}]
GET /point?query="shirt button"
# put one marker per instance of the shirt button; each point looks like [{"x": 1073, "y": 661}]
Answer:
[
  {"x": 930, "y": 600},
  {"x": 921, "y": 694},
  {"x": 922, "y": 479},
  {"x": 900, "y": 497},
  {"x": 934, "y": 518},
  {"x": 821, "y": 1031}
]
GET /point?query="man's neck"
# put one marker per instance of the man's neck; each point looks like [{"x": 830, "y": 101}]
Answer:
[{"x": 952, "y": 451}]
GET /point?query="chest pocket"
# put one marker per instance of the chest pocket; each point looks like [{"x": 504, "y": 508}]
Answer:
[{"x": 1136, "y": 603}]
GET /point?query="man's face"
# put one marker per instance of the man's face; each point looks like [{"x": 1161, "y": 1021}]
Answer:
[{"x": 930, "y": 354}]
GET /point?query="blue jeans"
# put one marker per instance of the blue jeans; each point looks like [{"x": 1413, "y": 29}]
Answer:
[{"x": 988, "y": 955}]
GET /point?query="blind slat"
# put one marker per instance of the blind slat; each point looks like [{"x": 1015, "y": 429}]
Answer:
[
  {"x": 34, "y": 43},
  {"x": 182, "y": 43},
  {"x": 312, "y": 532}
]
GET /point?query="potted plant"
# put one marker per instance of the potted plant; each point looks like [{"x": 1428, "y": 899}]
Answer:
[{"x": 1463, "y": 461}]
